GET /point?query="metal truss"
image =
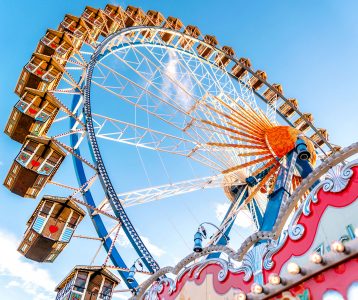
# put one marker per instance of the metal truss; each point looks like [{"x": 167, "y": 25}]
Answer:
[{"x": 165, "y": 191}]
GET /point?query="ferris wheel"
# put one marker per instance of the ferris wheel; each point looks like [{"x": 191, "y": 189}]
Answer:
[{"x": 135, "y": 85}]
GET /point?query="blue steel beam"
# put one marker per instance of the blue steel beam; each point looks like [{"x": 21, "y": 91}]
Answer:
[
  {"x": 223, "y": 241},
  {"x": 107, "y": 186},
  {"x": 275, "y": 198},
  {"x": 96, "y": 219},
  {"x": 257, "y": 215}
]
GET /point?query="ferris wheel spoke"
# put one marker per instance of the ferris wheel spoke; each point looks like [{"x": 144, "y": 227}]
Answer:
[
  {"x": 189, "y": 81},
  {"x": 166, "y": 191},
  {"x": 203, "y": 94},
  {"x": 198, "y": 135},
  {"x": 215, "y": 117},
  {"x": 204, "y": 155},
  {"x": 139, "y": 136}
]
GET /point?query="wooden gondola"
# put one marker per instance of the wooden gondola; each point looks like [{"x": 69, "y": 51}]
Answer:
[
  {"x": 171, "y": 23},
  {"x": 94, "y": 21},
  {"x": 32, "y": 114},
  {"x": 77, "y": 29},
  {"x": 221, "y": 59},
  {"x": 300, "y": 123},
  {"x": 37, "y": 162},
  {"x": 135, "y": 16},
  {"x": 239, "y": 71},
  {"x": 115, "y": 18},
  {"x": 286, "y": 109},
  {"x": 87, "y": 283},
  {"x": 42, "y": 73},
  {"x": 153, "y": 18},
  {"x": 271, "y": 95},
  {"x": 50, "y": 228},
  {"x": 56, "y": 43},
  {"x": 256, "y": 82},
  {"x": 187, "y": 43},
  {"x": 317, "y": 139},
  {"x": 205, "y": 51}
]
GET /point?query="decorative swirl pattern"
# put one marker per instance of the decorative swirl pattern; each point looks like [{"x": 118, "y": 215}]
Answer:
[
  {"x": 252, "y": 261},
  {"x": 217, "y": 261},
  {"x": 312, "y": 198},
  {"x": 273, "y": 248},
  {"x": 296, "y": 231},
  {"x": 336, "y": 180},
  {"x": 338, "y": 177}
]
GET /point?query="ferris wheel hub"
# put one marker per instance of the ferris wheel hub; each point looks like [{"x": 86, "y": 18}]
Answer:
[{"x": 283, "y": 139}]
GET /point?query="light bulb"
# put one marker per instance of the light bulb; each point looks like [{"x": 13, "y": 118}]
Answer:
[
  {"x": 316, "y": 258},
  {"x": 337, "y": 247},
  {"x": 274, "y": 279},
  {"x": 293, "y": 268},
  {"x": 240, "y": 296},
  {"x": 256, "y": 288}
]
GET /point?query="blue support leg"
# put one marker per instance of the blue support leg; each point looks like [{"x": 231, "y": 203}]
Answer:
[{"x": 222, "y": 240}]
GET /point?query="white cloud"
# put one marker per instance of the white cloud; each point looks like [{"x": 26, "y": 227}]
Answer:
[
  {"x": 242, "y": 220},
  {"x": 153, "y": 249},
  {"x": 32, "y": 279},
  {"x": 179, "y": 85},
  {"x": 122, "y": 240}
]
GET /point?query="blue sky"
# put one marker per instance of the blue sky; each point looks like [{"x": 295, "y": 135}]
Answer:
[{"x": 309, "y": 47}]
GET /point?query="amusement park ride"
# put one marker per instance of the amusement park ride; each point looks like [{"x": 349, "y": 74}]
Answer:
[{"x": 223, "y": 116}]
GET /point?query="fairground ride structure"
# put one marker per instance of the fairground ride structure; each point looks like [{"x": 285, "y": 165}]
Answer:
[{"x": 139, "y": 80}]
